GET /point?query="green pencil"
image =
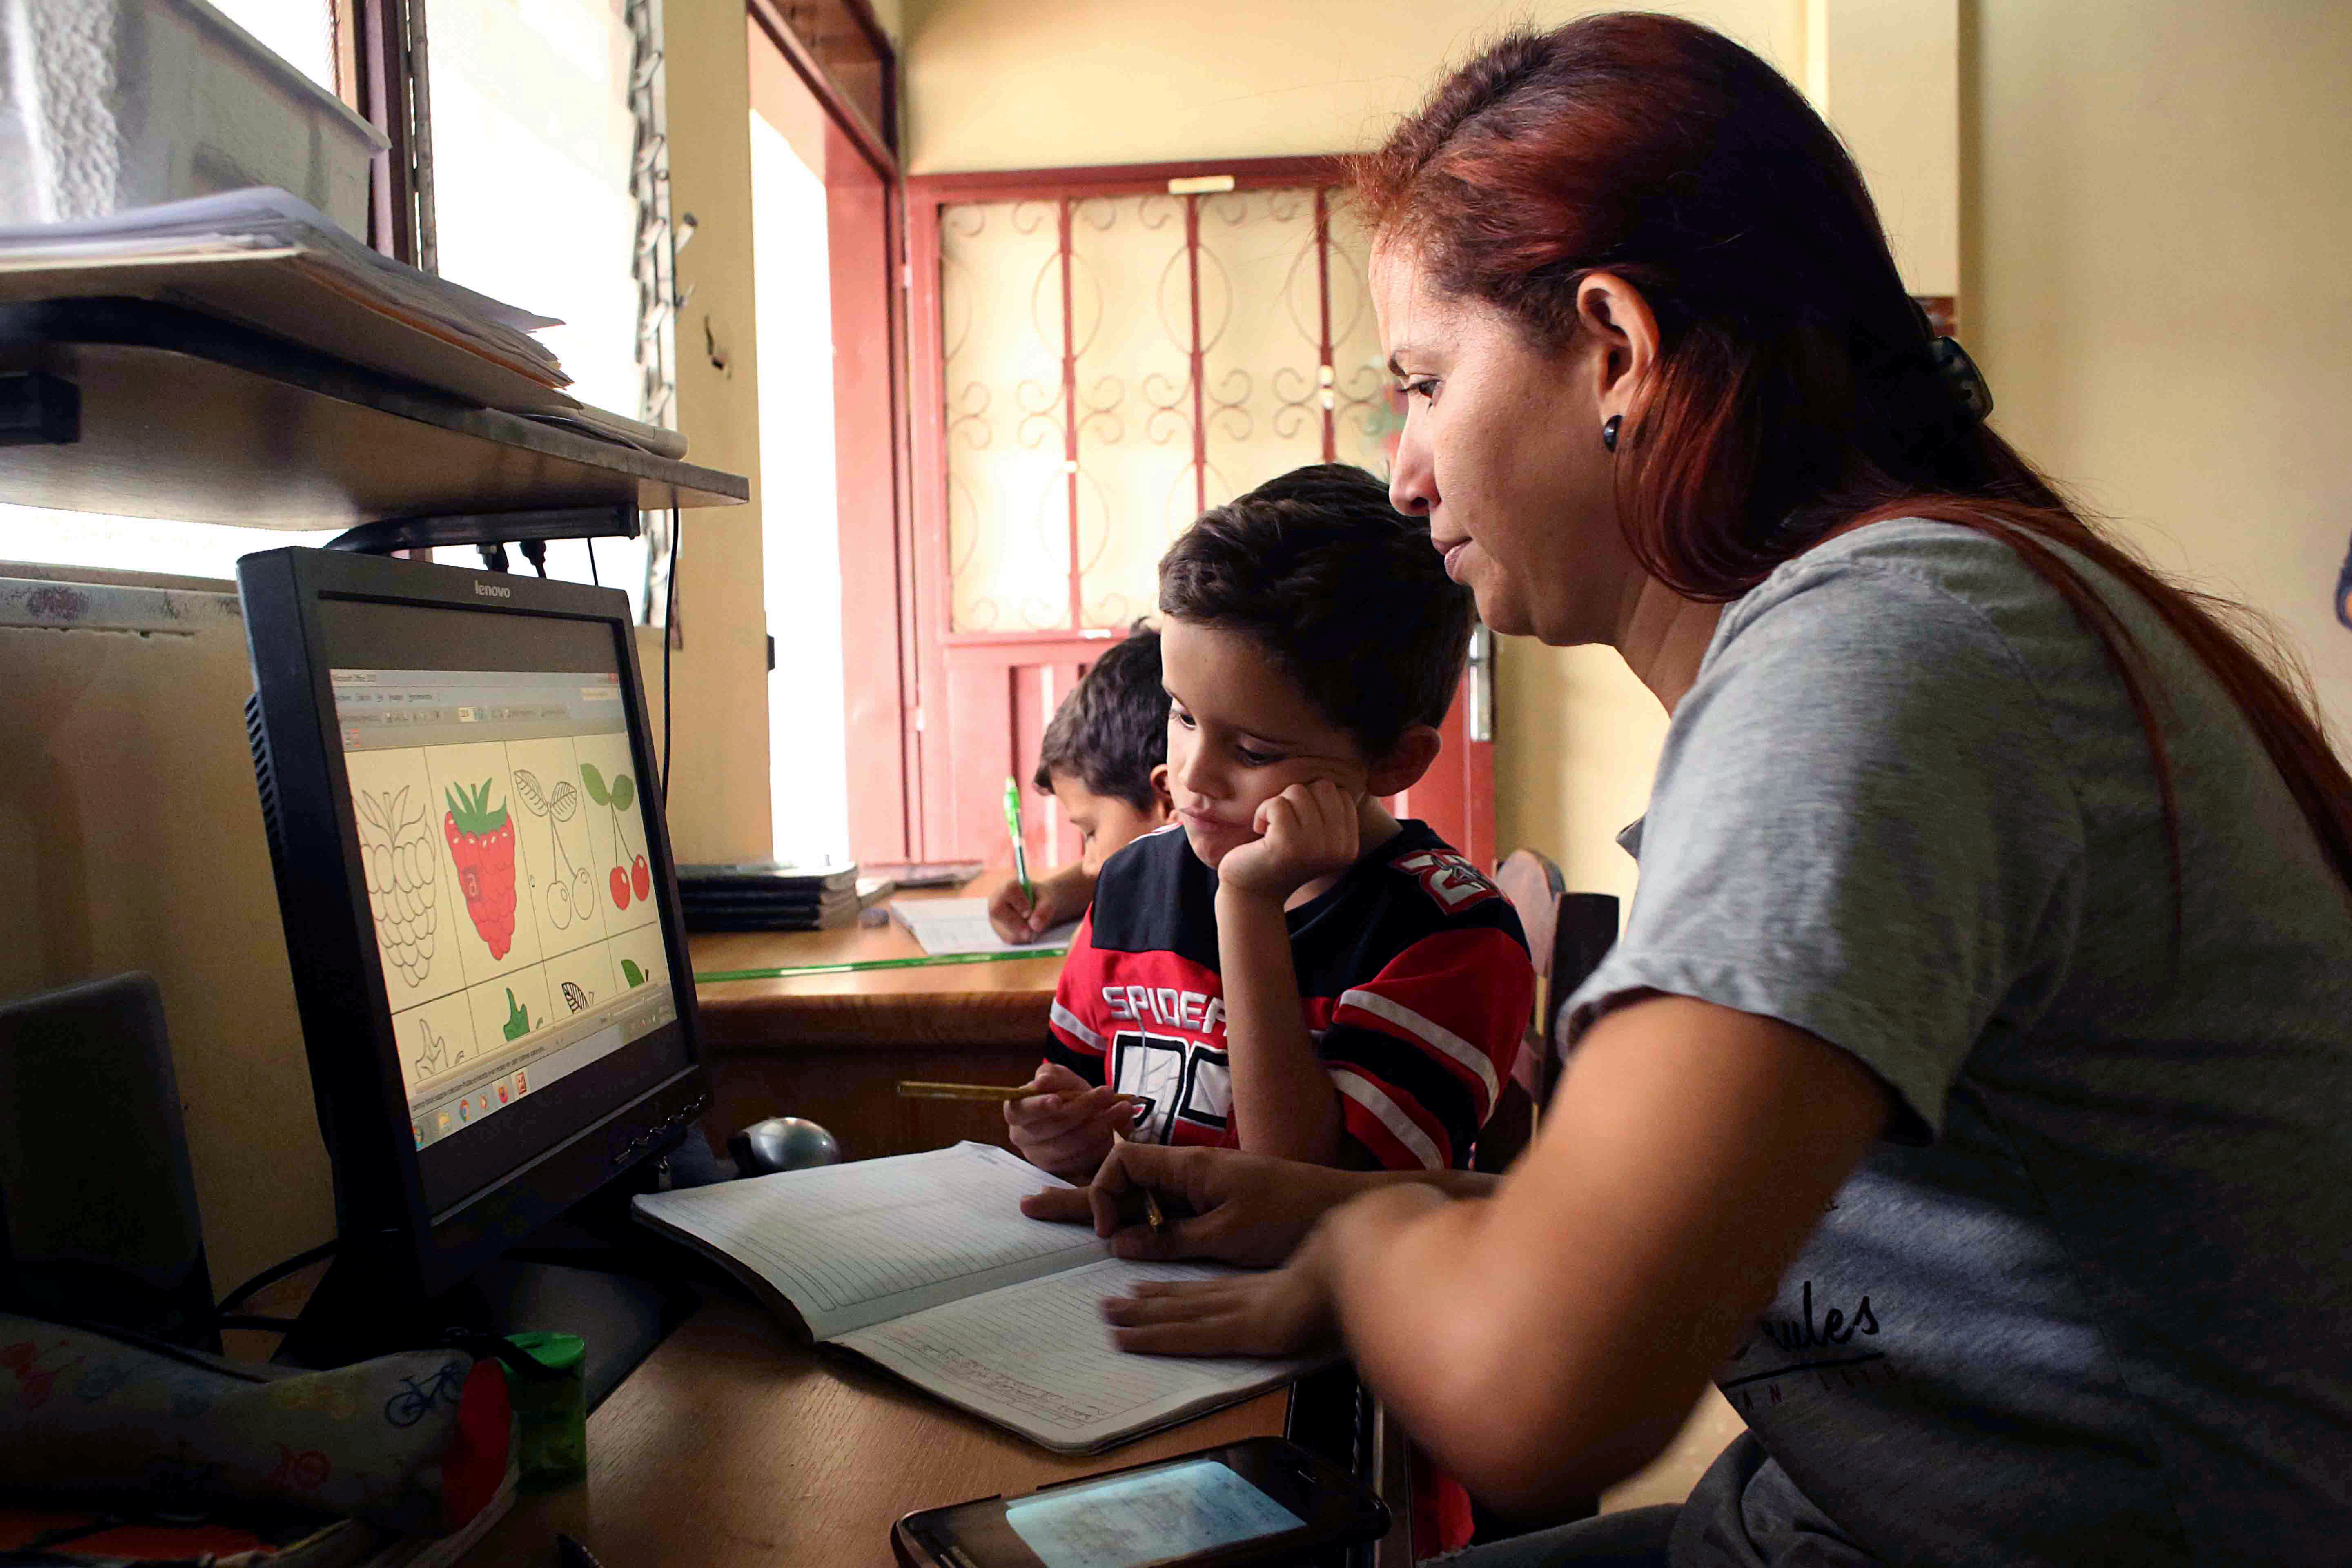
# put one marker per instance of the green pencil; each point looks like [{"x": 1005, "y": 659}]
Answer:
[
  {"x": 1020, "y": 850},
  {"x": 712, "y": 977}
]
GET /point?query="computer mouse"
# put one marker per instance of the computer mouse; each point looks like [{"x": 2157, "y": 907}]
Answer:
[{"x": 782, "y": 1143}]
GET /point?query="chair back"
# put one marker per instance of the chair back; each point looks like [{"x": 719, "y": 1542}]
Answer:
[{"x": 1568, "y": 934}]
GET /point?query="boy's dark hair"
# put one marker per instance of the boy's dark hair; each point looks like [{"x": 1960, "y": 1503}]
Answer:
[
  {"x": 1342, "y": 589},
  {"x": 1111, "y": 730}
]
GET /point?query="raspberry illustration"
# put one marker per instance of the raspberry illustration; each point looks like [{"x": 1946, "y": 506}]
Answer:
[{"x": 396, "y": 857}]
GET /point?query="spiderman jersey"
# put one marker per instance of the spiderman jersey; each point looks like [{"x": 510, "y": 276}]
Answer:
[{"x": 1411, "y": 969}]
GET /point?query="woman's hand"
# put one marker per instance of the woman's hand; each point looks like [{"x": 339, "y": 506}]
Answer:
[
  {"x": 1288, "y": 1311},
  {"x": 1062, "y": 1124},
  {"x": 1061, "y": 897},
  {"x": 1241, "y": 1208},
  {"x": 1284, "y": 1311}
]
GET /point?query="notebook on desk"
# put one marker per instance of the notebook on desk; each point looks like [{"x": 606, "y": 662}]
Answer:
[{"x": 924, "y": 1264}]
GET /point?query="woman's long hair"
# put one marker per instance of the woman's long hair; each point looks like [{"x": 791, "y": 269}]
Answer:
[{"x": 1794, "y": 395}]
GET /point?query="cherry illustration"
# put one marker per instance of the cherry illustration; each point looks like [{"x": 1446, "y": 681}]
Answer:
[
  {"x": 641, "y": 878},
  {"x": 620, "y": 880}
]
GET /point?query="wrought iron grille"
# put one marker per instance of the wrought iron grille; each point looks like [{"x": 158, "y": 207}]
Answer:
[{"x": 1114, "y": 365}]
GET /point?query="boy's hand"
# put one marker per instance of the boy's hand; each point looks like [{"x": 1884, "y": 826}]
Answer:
[
  {"x": 1062, "y": 897},
  {"x": 1062, "y": 1124},
  {"x": 1310, "y": 830}
]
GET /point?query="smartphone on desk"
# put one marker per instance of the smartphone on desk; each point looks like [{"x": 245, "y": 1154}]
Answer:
[{"x": 1262, "y": 1501}]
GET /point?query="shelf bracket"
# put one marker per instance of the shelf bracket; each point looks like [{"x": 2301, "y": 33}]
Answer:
[
  {"x": 38, "y": 409},
  {"x": 492, "y": 531}
]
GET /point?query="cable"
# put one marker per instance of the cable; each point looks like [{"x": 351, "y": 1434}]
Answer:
[
  {"x": 274, "y": 1273},
  {"x": 535, "y": 551},
  {"x": 669, "y": 634},
  {"x": 593, "y": 577}
]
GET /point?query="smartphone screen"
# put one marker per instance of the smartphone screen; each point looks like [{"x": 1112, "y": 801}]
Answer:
[
  {"x": 1260, "y": 1500},
  {"x": 1149, "y": 1516}
]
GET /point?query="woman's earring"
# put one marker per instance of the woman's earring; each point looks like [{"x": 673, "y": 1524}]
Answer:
[{"x": 1609, "y": 431}]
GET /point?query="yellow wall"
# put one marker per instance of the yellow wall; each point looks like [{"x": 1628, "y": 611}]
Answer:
[
  {"x": 1018, "y": 84},
  {"x": 133, "y": 830},
  {"x": 718, "y": 809},
  {"x": 2159, "y": 210},
  {"x": 1887, "y": 73}
]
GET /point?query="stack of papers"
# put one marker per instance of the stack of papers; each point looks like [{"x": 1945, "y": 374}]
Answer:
[
  {"x": 271, "y": 260},
  {"x": 262, "y": 221}
]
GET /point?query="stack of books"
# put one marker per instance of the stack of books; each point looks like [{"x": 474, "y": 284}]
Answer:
[{"x": 764, "y": 895}]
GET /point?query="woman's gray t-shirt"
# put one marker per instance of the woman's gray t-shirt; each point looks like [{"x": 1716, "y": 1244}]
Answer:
[{"x": 2091, "y": 1300}]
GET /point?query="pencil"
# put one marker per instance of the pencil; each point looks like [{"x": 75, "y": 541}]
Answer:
[
  {"x": 910, "y": 1088},
  {"x": 1020, "y": 850},
  {"x": 1153, "y": 1215}
]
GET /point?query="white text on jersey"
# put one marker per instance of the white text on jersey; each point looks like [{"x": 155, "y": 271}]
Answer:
[{"x": 1194, "y": 1010}]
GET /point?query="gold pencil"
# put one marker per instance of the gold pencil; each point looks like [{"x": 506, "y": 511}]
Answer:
[
  {"x": 1153, "y": 1215},
  {"x": 910, "y": 1089}
]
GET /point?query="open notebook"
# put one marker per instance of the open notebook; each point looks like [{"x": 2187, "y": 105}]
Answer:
[{"x": 925, "y": 1264}]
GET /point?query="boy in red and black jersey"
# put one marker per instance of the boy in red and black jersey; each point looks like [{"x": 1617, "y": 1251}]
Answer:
[
  {"x": 1291, "y": 969},
  {"x": 1405, "y": 971}
]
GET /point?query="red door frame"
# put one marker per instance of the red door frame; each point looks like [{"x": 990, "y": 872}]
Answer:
[
  {"x": 866, "y": 240},
  {"x": 981, "y": 678}
]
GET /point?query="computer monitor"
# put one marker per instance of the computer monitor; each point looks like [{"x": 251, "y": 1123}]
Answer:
[{"x": 465, "y": 824}]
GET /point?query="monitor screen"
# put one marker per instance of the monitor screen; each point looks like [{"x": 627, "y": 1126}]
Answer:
[{"x": 498, "y": 802}]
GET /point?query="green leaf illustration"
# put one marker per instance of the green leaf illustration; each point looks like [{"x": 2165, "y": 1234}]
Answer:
[
  {"x": 624, "y": 790},
  {"x": 631, "y": 973},
  {"x": 517, "y": 1022},
  {"x": 595, "y": 782}
]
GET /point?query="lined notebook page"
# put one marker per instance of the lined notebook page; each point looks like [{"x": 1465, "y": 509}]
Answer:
[
  {"x": 859, "y": 1243},
  {"x": 960, "y": 925},
  {"x": 1037, "y": 1358}
]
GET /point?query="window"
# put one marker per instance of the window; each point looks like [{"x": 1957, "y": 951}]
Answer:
[
  {"x": 826, "y": 249},
  {"x": 550, "y": 87},
  {"x": 569, "y": 91},
  {"x": 1099, "y": 355},
  {"x": 799, "y": 515},
  {"x": 302, "y": 34}
]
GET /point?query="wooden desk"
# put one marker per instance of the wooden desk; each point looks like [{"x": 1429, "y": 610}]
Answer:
[
  {"x": 832, "y": 1046},
  {"x": 733, "y": 1446}
]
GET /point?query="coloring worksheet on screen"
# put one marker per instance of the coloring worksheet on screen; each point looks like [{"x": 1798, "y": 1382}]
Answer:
[{"x": 502, "y": 837}]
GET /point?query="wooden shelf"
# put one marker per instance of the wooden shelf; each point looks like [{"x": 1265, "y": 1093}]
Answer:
[{"x": 185, "y": 416}]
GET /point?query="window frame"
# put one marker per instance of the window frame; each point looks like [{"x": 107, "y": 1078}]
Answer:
[
  {"x": 949, "y": 663},
  {"x": 881, "y": 667}
]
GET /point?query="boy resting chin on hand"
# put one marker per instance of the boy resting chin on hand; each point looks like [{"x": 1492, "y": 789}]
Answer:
[{"x": 1295, "y": 973}]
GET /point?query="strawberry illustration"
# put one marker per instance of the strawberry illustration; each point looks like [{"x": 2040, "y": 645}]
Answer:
[{"x": 482, "y": 846}]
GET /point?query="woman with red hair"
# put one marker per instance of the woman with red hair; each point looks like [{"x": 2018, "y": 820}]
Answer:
[{"x": 1969, "y": 1092}]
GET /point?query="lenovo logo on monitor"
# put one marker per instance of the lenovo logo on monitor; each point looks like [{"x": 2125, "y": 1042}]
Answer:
[{"x": 493, "y": 591}]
